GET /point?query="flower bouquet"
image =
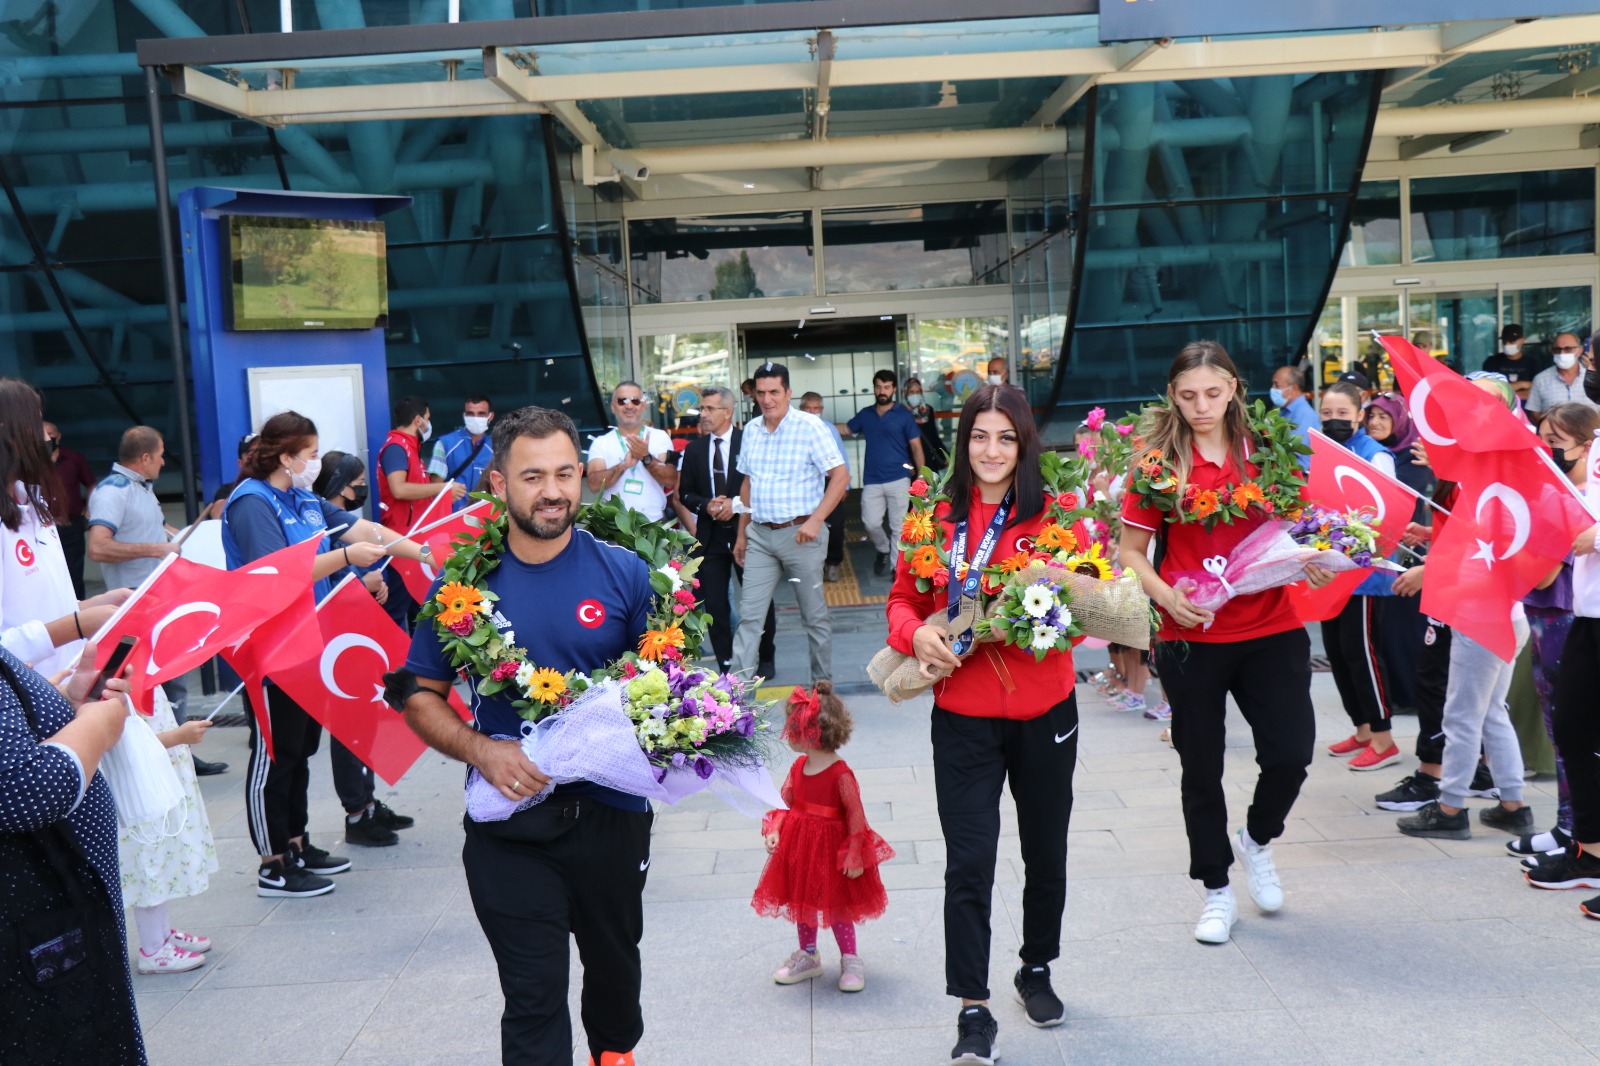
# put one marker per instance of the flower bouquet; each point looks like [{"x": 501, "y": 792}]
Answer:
[
  {"x": 1112, "y": 456},
  {"x": 1031, "y": 612},
  {"x": 1277, "y": 553}
]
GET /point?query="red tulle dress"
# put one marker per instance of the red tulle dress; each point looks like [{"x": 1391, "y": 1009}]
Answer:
[{"x": 823, "y": 833}]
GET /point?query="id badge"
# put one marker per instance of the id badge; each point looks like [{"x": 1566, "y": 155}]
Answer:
[{"x": 632, "y": 486}]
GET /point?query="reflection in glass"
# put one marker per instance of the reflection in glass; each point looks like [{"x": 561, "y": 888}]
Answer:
[
  {"x": 740, "y": 257},
  {"x": 951, "y": 356},
  {"x": 1374, "y": 226},
  {"x": 1543, "y": 313},
  {"x": 1044, "y": 232},
  {"x": 932, "y": 246},
  {"x": 1457, "y": 327},
  {"x": 673, "y": 367},
  {"x": 1327, "y": 342},
  {"x": 1500, "y": 216},
  {"x": 1380, "y": 313}
]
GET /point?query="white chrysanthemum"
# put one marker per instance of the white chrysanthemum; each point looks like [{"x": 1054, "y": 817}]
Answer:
[
  {"x": 1037, "y": 601},
  {"x": 508, "y": 637},
  {"x": 1044, "y": 636},
  {"x": 672, "y": 576},
  {"x": 1064, "y": 619},
  {"x": 525, "y": 674}
]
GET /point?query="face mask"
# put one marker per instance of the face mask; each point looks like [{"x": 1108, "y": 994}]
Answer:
[
  {"x": 1566, "y": 360},
  {"x": 358, "y": 495},
  {"x": 997, "y": 379},
  {"x": 914, "y": 399},
  {"x": 1276, "y": 395},
  {"x": 427, "y": 431},
  {"x": 303, "y": 478},
  {"x": 1510, "y": 349},
  {"x": 1561, "y": 459},
  {"x": 55, "y": 445},
  {"x": 1339, "y": 429},
  {"x": 477, "y": 425}
]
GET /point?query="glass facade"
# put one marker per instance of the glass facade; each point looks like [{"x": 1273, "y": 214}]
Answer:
[
  {"x": 738, "y": 257},
  {"x": 1501, "y": 216},
  {"x": 930, "y": 246},
  {"x": 1374, "y": 226}
]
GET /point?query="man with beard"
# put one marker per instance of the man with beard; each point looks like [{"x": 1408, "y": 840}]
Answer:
[
  {"x": 894, "y": 457},
  {"x": 575, "y": 863}
]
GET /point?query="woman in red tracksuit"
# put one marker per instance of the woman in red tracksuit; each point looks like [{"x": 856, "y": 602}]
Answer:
[{"x": 999, "y": 715}]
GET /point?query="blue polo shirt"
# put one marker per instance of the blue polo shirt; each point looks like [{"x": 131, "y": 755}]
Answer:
[
  {"x": 579, "y": 611},
  {"x": 451, "y": 451},
  {"x": 888, "y": 438}
]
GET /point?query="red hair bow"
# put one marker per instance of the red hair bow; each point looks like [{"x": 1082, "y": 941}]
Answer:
[{"x": 803, "y": 726}]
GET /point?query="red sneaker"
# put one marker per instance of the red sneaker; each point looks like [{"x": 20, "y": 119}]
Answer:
[
  {"x": 1373, "y": 759},
  {"x": 1348, "y": 746},
  {"x": 613, "y": 1058}
]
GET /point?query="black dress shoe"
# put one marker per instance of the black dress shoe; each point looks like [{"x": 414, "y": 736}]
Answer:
[
  {"x": 880, "y": 565},
  {"x": 207, "y": 769},
  {"x": 766, "y": 668}
]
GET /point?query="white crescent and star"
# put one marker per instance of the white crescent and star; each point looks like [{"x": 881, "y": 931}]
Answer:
[
  {"x": 337, "y": 647},
  {"x": 1513, "y": 502},
  {"x": 1342, "y": 472},
  {"x": 1419, "y": 413},
  {"x": 198, "y": 607},
  {"x": 589, "y": 613}
]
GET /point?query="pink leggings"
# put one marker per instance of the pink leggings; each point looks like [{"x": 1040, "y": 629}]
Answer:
[{"x": 843, "y": 932}]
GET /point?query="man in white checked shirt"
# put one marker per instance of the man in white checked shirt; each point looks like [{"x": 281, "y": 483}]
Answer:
[{"x": 794, "y": 478}]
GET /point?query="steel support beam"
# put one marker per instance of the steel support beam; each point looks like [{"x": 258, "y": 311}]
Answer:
[
  {"x": 1476, "y": 118},
  {"x": 842, "y": 151}
]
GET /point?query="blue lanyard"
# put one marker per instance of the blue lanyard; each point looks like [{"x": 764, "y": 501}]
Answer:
[{"x": 968, "y": 586}]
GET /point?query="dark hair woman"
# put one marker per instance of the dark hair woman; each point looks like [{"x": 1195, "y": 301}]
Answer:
[
  {"x": 999, "y": 714},
  {"x": 368, "y": 821},
  {"x": 42, "y": 618},
  {"x": 65, "y": 992},
  {"x": 272, "y": 507},
  {"x": 1254, "y": 647}
]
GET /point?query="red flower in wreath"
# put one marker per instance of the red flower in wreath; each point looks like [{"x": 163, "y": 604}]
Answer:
[
  {"x": 919, "y": 488},
  {"x": 1067, "y": 501}
]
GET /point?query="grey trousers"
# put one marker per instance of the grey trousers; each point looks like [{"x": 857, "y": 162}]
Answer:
[
  {"x": 771, "y": 555},
  {"x": 1475, "y": 716},
  {"x": 891, "y": 498}
]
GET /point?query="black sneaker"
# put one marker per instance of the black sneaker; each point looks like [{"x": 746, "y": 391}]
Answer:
[
  {"x": 1410, "y": 794},
  {"x": 1038, "y": 999},
  {"x": 1482, "y": 786},
  {"x": 880, "y": 565},
  {"x": 1498, "y": 817},
  {"x": 1430, "y": 821},
  {"x": 278, "y": 879},
  {"x": 368, "y": 832},
  {"x": 1528, "y": 844},
  {"x": 390, "y": 820},
  {"x": 975, "y": 1033},
  {"x": 1590, "y": 907},
  {"x": 313, "y": 859},
  {"x": 1576, "y": 869}
]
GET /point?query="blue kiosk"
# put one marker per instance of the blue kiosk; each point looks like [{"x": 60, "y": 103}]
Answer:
[{"x": 287, "y": 296}]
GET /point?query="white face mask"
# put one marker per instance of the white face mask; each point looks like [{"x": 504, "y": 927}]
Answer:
[
  {"x": 1566, "y": 360},
  {"x": 913, "y": 399},
  {"x": 477, "y": 425},
  {"x": 1510, "y": 349},
  {"x": 427, "y": 431},
  {"x": 305, "y": 477},
  {"x": 997, "y": 379}
]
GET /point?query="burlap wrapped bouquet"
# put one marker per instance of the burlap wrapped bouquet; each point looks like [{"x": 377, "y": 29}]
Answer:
[{"x": 1115, "y": 610}]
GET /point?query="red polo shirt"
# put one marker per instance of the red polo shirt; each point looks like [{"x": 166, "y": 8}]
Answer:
[{"x": 1259, "y": 614}]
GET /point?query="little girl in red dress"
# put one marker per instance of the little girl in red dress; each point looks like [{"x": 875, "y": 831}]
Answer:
[{"x": 824, "y": 856}]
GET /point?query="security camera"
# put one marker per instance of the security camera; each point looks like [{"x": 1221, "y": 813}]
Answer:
[{"x": 628, "y": 166}]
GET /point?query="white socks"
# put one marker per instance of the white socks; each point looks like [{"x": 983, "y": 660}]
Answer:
[{"x": 153, "y": 928}]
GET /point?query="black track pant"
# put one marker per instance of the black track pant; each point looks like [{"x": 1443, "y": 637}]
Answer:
[
  {"x": 352, "y": 778},
  {"x": 1576, "y": 722},
  {"x": 564, "y": 868},
  {"x": 1270, "y": 679},
  {"x": 1353, "y": 641},
  {"x": 1433, "y": 680},
  {"x": 972, "y": 759},
  {"x": 275, "y": 789}
]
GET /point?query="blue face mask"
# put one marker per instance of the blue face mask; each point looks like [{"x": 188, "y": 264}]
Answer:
[{"x": 1276, "y": 395}]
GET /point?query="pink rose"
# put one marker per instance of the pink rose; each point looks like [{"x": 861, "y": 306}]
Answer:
[
  {"x": 1123, "y": 431},
  {"x": 1096, "y": 419},
  {"x": 671, "y": 654},
  {"x": 505, "y": 671},
  {"x": 696, "y": 582},
  {"x": 919, "y": 488},
  {"x": 463, "y": 626},
  {"x": 1086, "y": 448},
  {"x": 679, "y": 608},
  {"x": 676, "y": 564}
]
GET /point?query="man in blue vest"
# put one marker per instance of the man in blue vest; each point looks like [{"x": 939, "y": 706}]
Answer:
[{"x": 464, "y": 455}]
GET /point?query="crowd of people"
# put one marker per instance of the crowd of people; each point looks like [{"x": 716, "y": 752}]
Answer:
[{"x": 760, "y": 500}]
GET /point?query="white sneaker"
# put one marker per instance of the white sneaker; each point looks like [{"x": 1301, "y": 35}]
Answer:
[
  {"x": 1260, "y": 874},
  {"x": 170, "y": 959},
  {"x": 1216, "y": 921}
]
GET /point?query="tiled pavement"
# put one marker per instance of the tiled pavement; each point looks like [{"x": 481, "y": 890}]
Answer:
[{"x": 1389, "y": 950}]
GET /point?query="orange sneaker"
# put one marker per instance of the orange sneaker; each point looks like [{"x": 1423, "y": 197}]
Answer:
[
  {"x": 1348, "y": 746},
  {"x": 613, "y": 1058}
]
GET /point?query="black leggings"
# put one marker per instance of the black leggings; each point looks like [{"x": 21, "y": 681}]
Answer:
[
  {"x": 972, "y": 759},
  {"x": 1575, "y": 720},
  {"x": 1352, "y": 640},
  {"x": 1270, "y": 679}
]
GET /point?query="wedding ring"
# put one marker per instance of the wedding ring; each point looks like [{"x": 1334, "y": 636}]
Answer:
[{"x": 516, "y": 786}]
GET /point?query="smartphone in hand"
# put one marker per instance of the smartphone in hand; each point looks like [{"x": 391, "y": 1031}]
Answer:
[{"x": 113, "y": 668}]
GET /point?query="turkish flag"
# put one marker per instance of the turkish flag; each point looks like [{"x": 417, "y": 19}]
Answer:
[
  {"x": 289, "y": 638},
  {"x": 1514, "y": 522},
  {"x": 341, "y": 685},
  {"x": 440, "y": 537},
  {"x": 189, "y": 612},
  {"x": 1454, "y": 417}
]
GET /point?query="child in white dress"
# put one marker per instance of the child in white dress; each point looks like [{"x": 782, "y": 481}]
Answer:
[{"x": 174, "y": 867}]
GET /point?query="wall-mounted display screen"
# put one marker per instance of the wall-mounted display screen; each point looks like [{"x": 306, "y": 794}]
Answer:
[{"x": 307, "y": 273}]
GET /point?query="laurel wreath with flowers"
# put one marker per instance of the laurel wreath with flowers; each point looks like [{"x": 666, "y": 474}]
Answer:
[
  {"x": 1275, "y": 490},
  {"x": 462, "y": 611}
]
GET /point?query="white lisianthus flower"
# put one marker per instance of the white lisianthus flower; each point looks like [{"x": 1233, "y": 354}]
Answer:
[
  {"x": 1044, "y": 636},
  {"x": 525, "y": 674},
  {"x": 1037, "y": 601},
  {"x": 1064, "y": 619},
  {"x": 509, "y": 636},
  {"x": 672, "y": 576}
]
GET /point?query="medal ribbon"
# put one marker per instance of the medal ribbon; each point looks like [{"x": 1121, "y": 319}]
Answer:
[{"x": 967, "y": 587}]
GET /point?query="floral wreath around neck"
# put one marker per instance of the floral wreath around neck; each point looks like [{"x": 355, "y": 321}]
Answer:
[
  {"x": 922, "y": 541},
  {"x": 462, "y": 611},
  {"x": 1274, "y": 491}
]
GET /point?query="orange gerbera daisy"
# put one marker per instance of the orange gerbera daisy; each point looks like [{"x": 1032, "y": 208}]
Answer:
[
  {"x": 1015, "y": 563},
  {"x": 1054, "y": 537},
  {"x": 925, "y": 561},
  {"x": 1247, "y": 493},
  {"x": 546, "y": 685},
  {"x": 1205, "y": 503},
  {"x": 457, "y": 601},
  {"x": 917, "y": 528},
  {"x": 656, "y": 641}
]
